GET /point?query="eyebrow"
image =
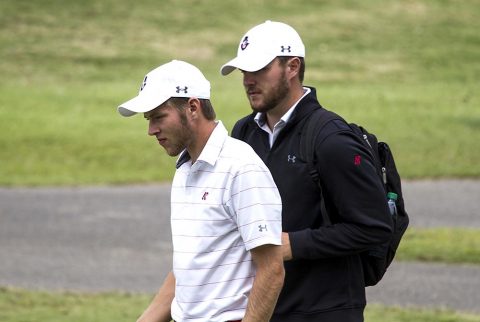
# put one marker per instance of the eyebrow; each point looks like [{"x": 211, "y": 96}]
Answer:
[
  {"x": 159, "y": 113},
  {"x": 149, "y": 116}
]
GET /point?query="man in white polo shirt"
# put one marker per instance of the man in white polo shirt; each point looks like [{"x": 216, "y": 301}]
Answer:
[{"x": 225, "y": 207}]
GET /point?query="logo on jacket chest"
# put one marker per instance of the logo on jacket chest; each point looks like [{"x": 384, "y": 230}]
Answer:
[{"x": 291, "y": 158}]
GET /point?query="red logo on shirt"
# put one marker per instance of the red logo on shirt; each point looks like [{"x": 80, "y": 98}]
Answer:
[
  {"x": 357, "y": 160},
  {"x": 205, "y": 194}
]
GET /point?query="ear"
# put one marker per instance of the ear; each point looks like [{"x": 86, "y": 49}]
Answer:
[
  {"x": 293, "y": 66},
  {"x": 193, "y": 108}
]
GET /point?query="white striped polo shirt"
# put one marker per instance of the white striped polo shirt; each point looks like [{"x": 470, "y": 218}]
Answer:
[{"x": 223, "y": 205}]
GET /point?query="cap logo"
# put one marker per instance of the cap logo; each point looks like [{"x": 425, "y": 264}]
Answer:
[
  {"x": 179, "y": 89},
  {"x": 286, "y": 49},
  {"x": 144, "y": 83},
  {"x": 244, "y": 43}
]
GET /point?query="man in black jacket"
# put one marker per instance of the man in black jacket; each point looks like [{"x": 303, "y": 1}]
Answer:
[{"x": 324, "y": 278}]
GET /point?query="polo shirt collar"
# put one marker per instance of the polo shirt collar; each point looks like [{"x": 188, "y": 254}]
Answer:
[{"x": 212, "y": 149}]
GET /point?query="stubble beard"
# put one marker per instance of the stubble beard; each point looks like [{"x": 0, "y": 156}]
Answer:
[
  {"x": 183, "y": 137},
  {"x": 277, "y": 94}
]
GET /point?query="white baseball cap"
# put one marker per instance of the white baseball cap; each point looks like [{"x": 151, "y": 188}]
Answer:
[
  {"x": 261, "y": 44},
  {"x": 174, "y": 79}
]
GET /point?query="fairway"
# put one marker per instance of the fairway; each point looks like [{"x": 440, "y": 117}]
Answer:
[{"x": 408, "y": 71}]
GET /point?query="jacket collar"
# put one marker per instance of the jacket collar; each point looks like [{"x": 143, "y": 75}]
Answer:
[{"x": 305, "y": 107}]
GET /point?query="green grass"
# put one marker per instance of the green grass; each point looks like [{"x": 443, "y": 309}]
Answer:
[
  {"x": 447, "y": 245},
  {"x": 30, "y": 306},
  {"x": 378, "y": 313},
  {"x": 409, "y": 71}
]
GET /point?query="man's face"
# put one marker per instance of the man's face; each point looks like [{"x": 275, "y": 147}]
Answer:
[
  {"x": 169, "y": 125},
  {"x": 266, "y": 88}
]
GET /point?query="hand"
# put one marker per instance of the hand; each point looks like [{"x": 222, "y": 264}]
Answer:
[{"x": 286, "y": 249}]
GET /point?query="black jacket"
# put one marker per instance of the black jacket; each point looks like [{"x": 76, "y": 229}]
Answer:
[{"x": 324, "y": 281}]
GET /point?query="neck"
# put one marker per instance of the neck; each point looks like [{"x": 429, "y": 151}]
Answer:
[{"x": 201, "y": 134}]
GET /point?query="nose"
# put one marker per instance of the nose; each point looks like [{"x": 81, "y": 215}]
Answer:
[
  {"x": 248, "y": 79},
  {"x": 152, "y": 128}
]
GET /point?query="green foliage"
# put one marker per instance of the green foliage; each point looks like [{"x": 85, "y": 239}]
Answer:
[
  {"x": 408, "y": 71},
  {"x": 448, "y": 245}
]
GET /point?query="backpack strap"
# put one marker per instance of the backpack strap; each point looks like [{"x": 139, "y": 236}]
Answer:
[
  {"x": 314, "y": 124},
  {"x": 310, "y": 132}
]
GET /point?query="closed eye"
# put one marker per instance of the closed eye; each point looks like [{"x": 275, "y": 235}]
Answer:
[{"x": 155, "y": 117}]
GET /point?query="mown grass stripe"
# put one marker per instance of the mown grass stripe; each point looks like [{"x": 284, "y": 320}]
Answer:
[
  {"x": 17, "y": 305},
  {"x": 448, "y": 245}
]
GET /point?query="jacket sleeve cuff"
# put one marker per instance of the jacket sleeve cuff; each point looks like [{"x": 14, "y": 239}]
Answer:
[{"x": 298, "y": 240}]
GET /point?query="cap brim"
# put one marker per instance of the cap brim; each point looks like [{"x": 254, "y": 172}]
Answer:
[
  {"x": 247, "y": 64},
  {"x": 140, "y": 104},
  {"x": 227, "y": 69}
]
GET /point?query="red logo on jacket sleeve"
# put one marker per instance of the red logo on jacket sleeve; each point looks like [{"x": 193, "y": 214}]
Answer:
[{"x": 357, "y": 160}]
